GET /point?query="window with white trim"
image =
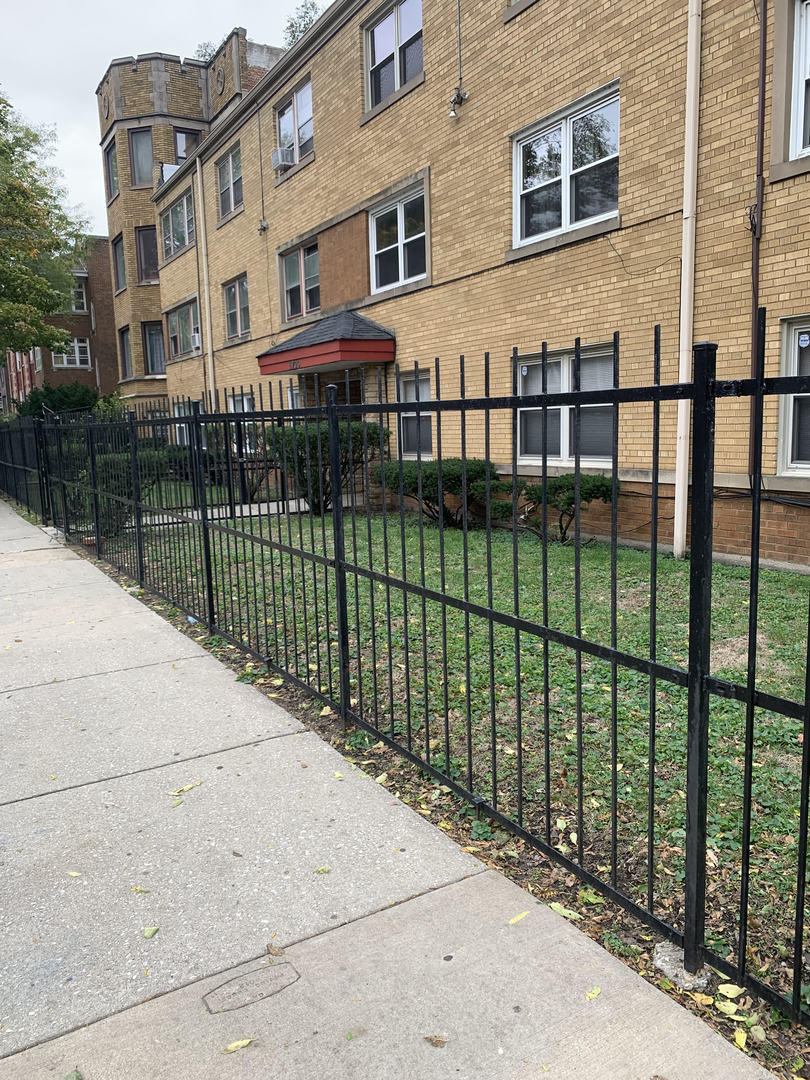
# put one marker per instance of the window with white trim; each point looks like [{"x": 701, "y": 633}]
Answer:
[
  {"x": 566, "y": 173},
  {"x": 295, "y": 122},
  {"x": 184, "y": 329},
  {"x": 229, "y": 181},
  {"x": 398, "y": 253},
  {"x": 795, "y": 431},
  {"x": 415, "y": 430},
  {"x": 244, "y": 403},
  {"x": 393, "y": 50},
  {"x": 78, "y": 356},
  {"x": 125, "y": 352},
  {"x": 78, "y": 294},
  {"x": 237, "y": 311},
  {"x": 800, "y": 105},
  {"x": 596, "y": 421},
  {"x": 294, "y": 396},
  {"x": 38, "y": 359},
  {"x": 302, "y": 282},
  {"x": 177, "y": 225},
  {"x": 185, "y": 407}
]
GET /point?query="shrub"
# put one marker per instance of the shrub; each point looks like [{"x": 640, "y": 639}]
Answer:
[
  {"x": 463, "y": 484},
  {"x": 114, "y": 477},
  {"x": 72, "y": 397},
  {"x": 560, "y": 497},
  {"x": 295, "y": 450}
]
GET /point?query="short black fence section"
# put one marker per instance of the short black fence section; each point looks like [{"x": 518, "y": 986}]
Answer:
[{"x": 642, "y": 720}]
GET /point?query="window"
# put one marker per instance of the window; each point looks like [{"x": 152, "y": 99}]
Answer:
[
  {"x": 394, "y": 50},
  {"x": 596, "y": 421},
  {"x": 229, "y": 174},
  {"x": 154, "y": 353},
  {"x": 119, "y": 269},
  {"x": 567, "y": 173},
  {"x": 800, "y": 108},
  {"x": 182, "y": 431},
  {"x": 185, "y": 143},
  {"x": 294, "y": 396},
  {"x": 126, "y": 353},
  {"x": 295, "y": 122},
  {"x": 140, "y": 153},
  {"x": 398, "y": 242},
  {"x": 111, "y": 170},
  {"x": 184, "y": 329},
  {"x": 146, "y": 245},
  {"x": 38, "y": 359},
  {"x": 177, "y": 225},
  {"x": 302, "y": 290},
  {"x": 796, "y": 407},
  {"x": 79, "y": 355},
  {"x": 237, "y": 312},
  {"x": 243, "y": 403},
  {"x": 78, "y": 294},
  {"x": 415, "y": 432}
]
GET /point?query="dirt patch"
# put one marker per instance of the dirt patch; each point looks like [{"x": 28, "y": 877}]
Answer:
[
  {"x": 732, "y": 654},
  {"x": 635, "y": 601}
]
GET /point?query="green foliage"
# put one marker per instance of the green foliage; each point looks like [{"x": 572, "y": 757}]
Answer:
[
  {"x": 40, "y": 240},
  {"x": 70, "y": 398},
  {"x": 560, "y": 498},
  {"x": 110, "y": 409},
  {"x": 300, "y": 21},
  {"x": 114, "y": 477},
  {"x": 460, "y": 482},
  {"x": 302, "y": 452}
]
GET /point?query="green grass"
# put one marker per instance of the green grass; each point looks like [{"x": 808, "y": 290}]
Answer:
[{"x": 444, "y": 684}]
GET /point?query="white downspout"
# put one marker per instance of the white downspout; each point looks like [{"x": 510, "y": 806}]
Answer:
[
  {"x": 209, "y": 341},
  {"x": 686, "y": 328}
]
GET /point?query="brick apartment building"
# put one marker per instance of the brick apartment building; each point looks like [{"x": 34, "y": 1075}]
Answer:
[
  {"x": 91, "y": 359},
  {"x": 408, "y": 182}
]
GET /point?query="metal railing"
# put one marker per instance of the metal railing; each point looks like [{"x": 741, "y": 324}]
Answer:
[{"x": 565, "y": 691}]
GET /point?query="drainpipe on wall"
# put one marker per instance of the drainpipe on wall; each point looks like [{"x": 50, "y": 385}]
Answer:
[
  {"x": 685, "y": 331},
  {"x": 209, "y": 342},
  {"x": 756, "y": 223}
]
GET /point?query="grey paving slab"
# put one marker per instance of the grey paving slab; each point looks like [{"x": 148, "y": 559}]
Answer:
[
  {"x": 62, "y": 605},
  {"x": 63, "y": 734},
  {"x": 31, "y": 572},
  {"x": 131, "y": 639},
  {"x": 41, "y": 542},
  {"x": 73, "y": 948},
  {"x": 440, "y": 987},
  {"x": 12, "y": 526}
]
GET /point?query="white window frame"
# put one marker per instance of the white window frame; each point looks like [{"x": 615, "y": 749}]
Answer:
[
  {"x": 378, "y": 211},
  {"x": 293, "y": 102},
  {"x": 232, "y": 288},
  {"x": 374, "y": 22},
  {"x": 801, "y": 73},
  {"x": 78, "y": 358},
  {"x": 294, "y": 396},
  {"x": 299, "y": 254},
  {"x": 184, "y": 408},
  {"x": 563, "y": 119},
  {"x": 227, "y": 159},
  {"x": 565, "y": 358},
  {"x": 244, "y": 402},
  {"x": 791, "y": 331},
  {"x": 79, "y": 291},
  {"x": 425, "y": 418},
  {"x": 37, "y": 359},
  {"x": 189, "y": 230},
  {"x": 174, "y": 316}
]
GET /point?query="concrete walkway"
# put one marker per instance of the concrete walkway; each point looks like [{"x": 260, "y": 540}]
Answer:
[{"x": 402, "y": 957}]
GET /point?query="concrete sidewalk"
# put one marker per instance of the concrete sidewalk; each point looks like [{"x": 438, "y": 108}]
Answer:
[{"x": 400, "y": 957}]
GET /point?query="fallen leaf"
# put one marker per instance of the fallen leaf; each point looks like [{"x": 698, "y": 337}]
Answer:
[
  {"x": 595, "y": 992},
  {"x": 150, "y": 931},
  {"x": 326, "y": 711},
  {"x": 321, "y": 869},
  {"x": 588, "y": 896},
  {"x": 436, "y": 1040},
  {"x": 75, "y": 1075},
  {"x": 238, "y": 854},
  {"x": 567, "y": 913},
  {"x": 703, "y": 999},
  {"x": 758, "y": 1033},
  {"x": 275, "y": 950},
  {"x": 517, "y": 918},
  {"x": 240, "y": 1044},
  {"x": 382, "y": 778},
  {"x": 73, "y": 873},
  {"x": 446, "y": 825},
  {"x": 729, "y": 990},
  {"x": 177, "y": 802},
  {"x": 338, "y": 775},
  {"x": 739, "y": 1038},
  {"x": 188, "y": 787},
  {"x": 727, "y": 1007},
  {"x": 137, "y": 889}
]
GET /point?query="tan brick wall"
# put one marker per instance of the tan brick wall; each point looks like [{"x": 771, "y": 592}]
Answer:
[{"x": 343, "y": 261}]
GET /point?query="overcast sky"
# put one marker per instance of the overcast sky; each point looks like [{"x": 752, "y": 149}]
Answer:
[{"x": 52, "y": 57}]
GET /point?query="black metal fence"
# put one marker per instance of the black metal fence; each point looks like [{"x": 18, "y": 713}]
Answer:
[{"x": 571, "y": 692}]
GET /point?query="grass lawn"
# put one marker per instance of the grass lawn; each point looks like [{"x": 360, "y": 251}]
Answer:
[{"x": 445, "y": 684}]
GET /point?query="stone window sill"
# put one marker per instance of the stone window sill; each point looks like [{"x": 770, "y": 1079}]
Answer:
[{"x": 411, "y": 84}]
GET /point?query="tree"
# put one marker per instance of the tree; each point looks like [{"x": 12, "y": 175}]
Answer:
[
  {"x": 300, "y": 21},
  {"x": 68, "y": 398},
  {"x": 206, "y": 50},
  {"x": 40, "y": 239}
]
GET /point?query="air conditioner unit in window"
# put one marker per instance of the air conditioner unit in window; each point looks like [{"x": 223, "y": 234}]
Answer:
[
  {"x": 195, "y": 341},
  {"x": 283, "y": 158}
]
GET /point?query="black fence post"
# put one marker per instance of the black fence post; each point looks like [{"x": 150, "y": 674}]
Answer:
[
  {"x": 336, "y": 486},
  {"x": 198, "y": 474},
  {"x": 700, "y": 611},
  {"x": 91, "y": 453},
  {"x": 36, "y": 432},
  {"x": 136, "y": 493},
  {"x": 60, "y": 465}
]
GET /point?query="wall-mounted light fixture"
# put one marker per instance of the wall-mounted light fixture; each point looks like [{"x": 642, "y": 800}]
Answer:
[
  {"x": 458, "y": 97},
  {"x": 263, "y": 227}
]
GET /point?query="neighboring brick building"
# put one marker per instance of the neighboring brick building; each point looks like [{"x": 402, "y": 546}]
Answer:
[
  {"x": 153, "y": 111},
  {"x": 546, "y": 203},
  {"x": 91, "y": 359}
]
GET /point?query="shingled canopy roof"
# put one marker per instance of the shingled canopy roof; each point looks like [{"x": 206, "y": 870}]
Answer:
[{"x": 343, "y": 340}]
